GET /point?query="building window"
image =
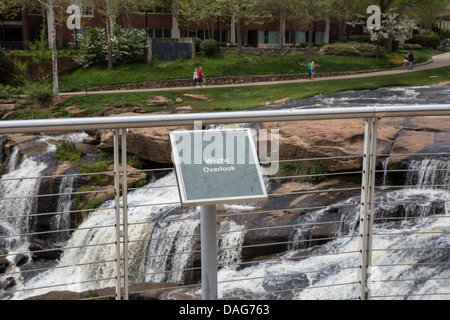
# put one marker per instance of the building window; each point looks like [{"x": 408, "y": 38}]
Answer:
[
  {"x": 86, "y": 7},
  {"x": 301, "y": 36},
  {"x": 158, "y": 6},
  {"x": 160, "y": 33},
  {"x": 197, "y": 33},
  {"x": 82, "y": 31},
  {"x": 319, "y": 37},
  {"x": 268, "y": 37},
  {"x": 225, "y": 36}
]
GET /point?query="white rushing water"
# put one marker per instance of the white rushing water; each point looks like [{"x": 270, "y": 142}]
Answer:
[
  {"x": 88, "y": 260},
  {"x": 397, "y": 270}
]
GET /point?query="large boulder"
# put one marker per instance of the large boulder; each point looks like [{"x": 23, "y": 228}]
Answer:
[
  {"x": 153, "y": 144},
  {"x": 336, "y": 138}
]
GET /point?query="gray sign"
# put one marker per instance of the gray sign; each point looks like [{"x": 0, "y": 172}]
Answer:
[{"x": 216, "y": 167}]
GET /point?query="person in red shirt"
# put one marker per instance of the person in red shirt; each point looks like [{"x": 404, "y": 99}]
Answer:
[{"x": 200, "y": 77}]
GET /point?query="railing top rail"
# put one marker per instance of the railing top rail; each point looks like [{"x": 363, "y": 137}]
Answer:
[{"x": 143, "y": 121}]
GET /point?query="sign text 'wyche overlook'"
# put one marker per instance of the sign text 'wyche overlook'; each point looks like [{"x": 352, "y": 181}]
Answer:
[{"x": 217, "y": 167}]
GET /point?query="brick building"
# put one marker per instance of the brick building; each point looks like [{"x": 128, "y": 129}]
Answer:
[{"x": 161, "y": 23}]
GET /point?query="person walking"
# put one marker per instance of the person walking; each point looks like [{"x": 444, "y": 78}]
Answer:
[
  {"x": 410, "y": 59},
  {"x": 405, "y": 60},
  {"x": 313, "y": 69},
  {"x": 195, "y": 78},
  {"x": 308, "y": 76},
  {"x": 200, "y": 77}
]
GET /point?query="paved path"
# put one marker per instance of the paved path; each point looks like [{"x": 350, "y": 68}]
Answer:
[{"x": 438, "y": 61}]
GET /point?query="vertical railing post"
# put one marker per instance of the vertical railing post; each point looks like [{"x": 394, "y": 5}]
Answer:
[
  {"x": 121, "y": 233},
  {"x": 125, "y": 214},
  {"x": 208, "y": 225},
  {"x": 367, "y": 208},
  {"x": 117, "y": 212}
]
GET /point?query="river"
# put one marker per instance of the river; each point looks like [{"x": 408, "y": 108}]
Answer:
[{"x": 314, "y": 272}]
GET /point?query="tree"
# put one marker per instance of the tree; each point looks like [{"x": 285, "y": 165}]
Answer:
[
  {"x": 200, "y": 10},
  {"x": 344, "y": 11},
  {"x": 8, "y": 9},
  {"x": 111, "y": 9},
  {"x": 50, "y": 6},
  {"x": 423, "y": 11},
  {"x": 309, "y": 10},
  {"x": 278, "y": 9},
  {"x": 241, "y": 12},
  {"x": 393, "y": 26}
]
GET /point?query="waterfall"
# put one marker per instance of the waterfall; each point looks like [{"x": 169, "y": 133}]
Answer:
[
  {"x": 177, "y": 236},
  {"x": 429, "y": 172},
  {"x": 64, "y": 205},
  {"x": 17, "y": 202},
  {"x": 163, "y": 239},
  {"x": 17, "y": 189},
  {"x": 393, "y": 259},
  {"x": 146, "y": 221},
  {"x": 231, "y": 237},
  {"x": 384, "y": 163},
  {"x": 14, "y": 160}
]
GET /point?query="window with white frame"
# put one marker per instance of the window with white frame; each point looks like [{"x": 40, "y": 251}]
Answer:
[
  {"x": 86, "y": 7},
  {"x": 268, "y": 36}
]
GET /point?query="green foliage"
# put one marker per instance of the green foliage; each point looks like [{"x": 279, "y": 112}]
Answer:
[
  {"x": 96, "y": 169},
  {"x": 6, "y": 67},
  {"x": 135, "y": 160},
  {"x": 38, "y": 91},
  {"x": 20, "y": 76},
  {"x": 210, "y": 47},
  {"x": 426, "y": 40},
  {"x": 197, "y": 42},
  {"x": 9, "y": 92},
  {"x": 39, "y": 49},
  {"x": 127, "y": 46},
  {"x": 68, "y": 152},
  {"x": 349, "y": 49},
  {"x": 411, "y": 46},
  {"x": 93, "y": 48},
  {"x": 316, "y": 169}
]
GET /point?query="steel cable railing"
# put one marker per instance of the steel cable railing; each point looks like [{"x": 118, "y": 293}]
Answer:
[{"x": 347, "y": 215}]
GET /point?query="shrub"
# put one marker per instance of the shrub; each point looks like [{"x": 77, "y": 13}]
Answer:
[
  {"x": 127, "y": 44},
  {"x": 6, "y": 67},
  {"x": 411, "y": 46},
  {"x": 350, "y": 49},
  {"x": 38, "y": 91},
  {"x": 8, "y": 92},
  {"x": 93, "y": 48},
  {"x": 426, "y": 40},
  {"x": 209, "y": 46},
  {"x": 68, "y": 152},
  {"x": 197, "y": 42},
  {"x": 39, "y": 49}
]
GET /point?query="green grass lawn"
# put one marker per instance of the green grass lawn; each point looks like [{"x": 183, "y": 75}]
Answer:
[
  {"x": 242, "y": 98},
  {"x": 226, "y": 65}
]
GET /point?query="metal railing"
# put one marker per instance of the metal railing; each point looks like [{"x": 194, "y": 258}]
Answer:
[{"x": 265, "y": 252}]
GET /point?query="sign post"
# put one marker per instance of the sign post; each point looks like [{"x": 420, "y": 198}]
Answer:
[{"x": 215, "y": 167}]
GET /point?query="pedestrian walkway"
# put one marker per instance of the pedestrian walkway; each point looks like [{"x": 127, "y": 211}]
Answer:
[{"x": 438, "y": 61}]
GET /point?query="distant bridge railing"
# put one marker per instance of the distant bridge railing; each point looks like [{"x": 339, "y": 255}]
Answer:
[{"x": 357, "y": 273}]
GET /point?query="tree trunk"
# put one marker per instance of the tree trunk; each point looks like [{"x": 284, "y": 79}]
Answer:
[
  {"x": 108, "y": 34},
  {"x": 308, "y": 56},
  {"x": 239, "y": 38},
  {"x": 51, "y": 15},
  {"x": 282, "y": 28}
]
